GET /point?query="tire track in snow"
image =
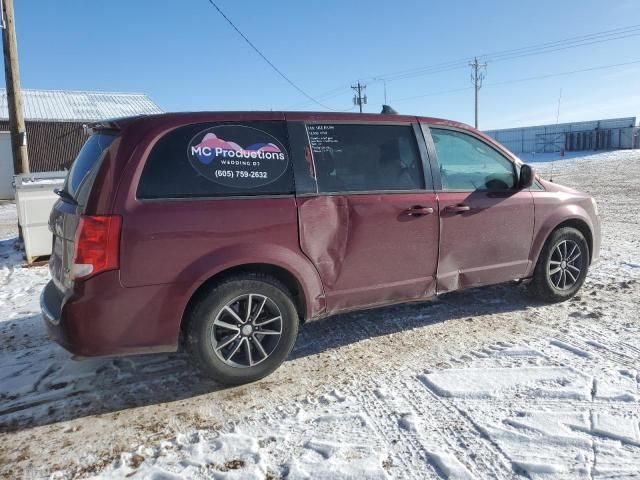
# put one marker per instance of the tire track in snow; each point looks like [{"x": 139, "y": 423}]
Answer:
[
  {"x": 619, "y": 347},
  {"x": 461, "y": 434},
  {"x": 47, "y": 393},
  {"x": 295, "y": 428},
  {"x": 551, "y": 353},
  {"x": 408, "y": 450},
  {"x": 584, "y": 335},
  {"x": 592, "y": 347}
]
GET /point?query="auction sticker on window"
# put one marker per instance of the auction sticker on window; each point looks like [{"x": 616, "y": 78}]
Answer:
[{"x": 237, "y": 156}]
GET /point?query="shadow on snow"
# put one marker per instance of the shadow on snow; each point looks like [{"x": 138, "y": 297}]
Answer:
[{"x": 43, "y": 385}]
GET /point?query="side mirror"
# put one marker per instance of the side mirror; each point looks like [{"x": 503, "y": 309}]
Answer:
[{"x": 527, "y": 176}]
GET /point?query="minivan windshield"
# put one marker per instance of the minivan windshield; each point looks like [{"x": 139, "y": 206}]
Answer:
[{"x": 85, "y": 166}]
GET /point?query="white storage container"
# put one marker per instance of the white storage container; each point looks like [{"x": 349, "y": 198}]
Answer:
[{"x": 34, "y": 200}]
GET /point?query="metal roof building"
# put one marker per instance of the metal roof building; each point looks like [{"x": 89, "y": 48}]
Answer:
[
  {"x": 591, "y": 135},
  {"x": 54, "y": 120},
  {"x": 74, "y": 106}
]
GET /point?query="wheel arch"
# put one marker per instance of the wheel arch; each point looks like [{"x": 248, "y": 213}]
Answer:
[
  {"x": 582, "y": 226},
  {"x": 577, "y": 222},
  {"x": 278, "y": 272}
]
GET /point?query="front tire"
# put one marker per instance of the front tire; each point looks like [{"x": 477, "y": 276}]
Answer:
[
  {"x": 242, "y": 329},
  {"x": 562, "y": 266}
]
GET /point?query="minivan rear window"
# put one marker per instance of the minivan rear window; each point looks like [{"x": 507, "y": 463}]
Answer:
[
  {"x": 85, "y": 166},
  {"x": 219, "y": 160}
]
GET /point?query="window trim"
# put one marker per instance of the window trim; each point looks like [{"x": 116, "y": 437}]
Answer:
[
  {"x": 362, "y": 192},
  {"x": 356, "y": 122},
  {"x": 435, "y": 167},
  {"x": 218, "y": 198},
  {"x": 424, "y": 159}
]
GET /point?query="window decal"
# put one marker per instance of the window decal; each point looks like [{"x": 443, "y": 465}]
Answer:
[
  {"x": 353, "y": 157},
  {"x": 237, "y": 156}
]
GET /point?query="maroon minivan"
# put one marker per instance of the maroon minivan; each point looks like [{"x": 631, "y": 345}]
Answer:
[{"x": 222, "y": 231}]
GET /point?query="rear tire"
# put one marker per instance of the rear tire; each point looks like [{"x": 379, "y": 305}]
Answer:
[
  {"x": 562, "y": 266},
  {"x": 242, "y": 329}
]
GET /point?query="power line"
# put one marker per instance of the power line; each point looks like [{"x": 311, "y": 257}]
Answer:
[
  {"x": 536, "y": 49},
  {"x": 579, "y": 38},
  {"x": 519, "y": 80},
  {"x": 498, "y": 56},
  {"x": 329, "y": 94},
  {"x": 277, "y": 70},
  {"x": 503, "y": 55},
  {"x": 560, "y": 74},
  {"x": 433, "y": 94},
  {"x": 565, "y": 47}
]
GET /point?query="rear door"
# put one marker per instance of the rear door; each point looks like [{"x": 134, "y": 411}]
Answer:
[
  {"x": 66, "y": 212},
  {"x": 486, "y": 221},
  {"x": 208, "y": 194},
  {"x": 367, "y": 212}
]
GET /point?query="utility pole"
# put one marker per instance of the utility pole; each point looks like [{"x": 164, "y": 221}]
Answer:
[
  {"x": 562, "y": 149},
  {"x": 558, "y": 114},
  {"x": 358, "y": 98},
  {"x": 14, "y": 98},
  {"x": 477, "y": 75}
]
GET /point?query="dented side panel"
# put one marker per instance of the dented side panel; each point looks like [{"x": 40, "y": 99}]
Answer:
[
  {"x": 368, "y": 250},
  {"x": 489, "y": 243},
  {"x": 324, "y": 231}
]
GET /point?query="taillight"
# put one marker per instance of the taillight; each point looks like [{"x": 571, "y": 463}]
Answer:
[{"x": 97, "y": 245}]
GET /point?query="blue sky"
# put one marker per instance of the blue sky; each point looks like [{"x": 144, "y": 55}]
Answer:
[{"x": 186, "y": 57}]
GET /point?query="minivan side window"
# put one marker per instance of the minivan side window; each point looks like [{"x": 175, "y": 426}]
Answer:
[
  {"x": 219, "y": 160},
  {"x": 468, "y": 164},
  {"x": 365, "y": 157}
]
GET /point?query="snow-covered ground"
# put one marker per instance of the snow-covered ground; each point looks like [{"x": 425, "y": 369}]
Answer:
[
  {"x": 534, "y": 157},
  {"x": 480, "y": 384}
]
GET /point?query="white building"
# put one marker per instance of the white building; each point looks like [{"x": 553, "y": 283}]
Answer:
[{"x": 615, "y": 133}]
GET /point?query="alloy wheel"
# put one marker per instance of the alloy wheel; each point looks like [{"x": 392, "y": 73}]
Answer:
[
  {"x": 247, "y": 330},
  {"x": 565, "y": 264}
]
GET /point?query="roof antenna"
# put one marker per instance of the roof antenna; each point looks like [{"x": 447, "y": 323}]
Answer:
[
  {"x": 557, "y": 121},
  {"x": 387, "y": 110}
]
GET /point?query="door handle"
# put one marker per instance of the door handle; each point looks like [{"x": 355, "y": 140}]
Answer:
[
  {"x": 457, "y": 208},
  {"x": 418, "y": 211}
]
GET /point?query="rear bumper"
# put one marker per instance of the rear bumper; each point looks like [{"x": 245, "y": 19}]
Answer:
[{"x": 102, "y": 318}]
